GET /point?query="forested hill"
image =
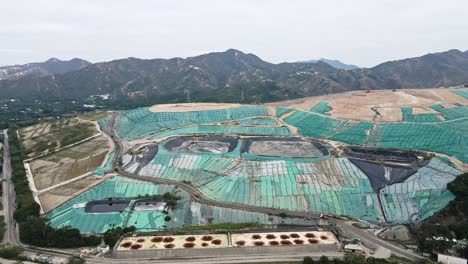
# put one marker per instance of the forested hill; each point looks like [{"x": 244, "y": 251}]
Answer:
[{"x": 233, "y": 76}]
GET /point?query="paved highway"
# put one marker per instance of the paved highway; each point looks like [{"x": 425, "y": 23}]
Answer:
[
  {"x": 9, "y": 196},
  {"x": 293, "y": 256}
]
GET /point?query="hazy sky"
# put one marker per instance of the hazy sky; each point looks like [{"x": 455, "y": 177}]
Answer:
[{"x": 363, "y": 32}]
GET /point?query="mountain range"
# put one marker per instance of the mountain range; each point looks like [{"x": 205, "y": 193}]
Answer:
[
  {"x": 41, "y": 69},
  {"x": 334, "y": 63},
  {"x": 231, "y": 76}
]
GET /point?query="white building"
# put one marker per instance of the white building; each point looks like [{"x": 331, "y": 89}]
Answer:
[
  {"x": 450, "y": 260},
  {"x": 354, "y": 248}
]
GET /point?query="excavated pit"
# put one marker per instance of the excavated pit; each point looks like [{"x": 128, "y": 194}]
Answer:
[
  {"x": 284, "y": 147},
  {"x": 381, "y": 175},
  {"x": 214, "y": 145}
]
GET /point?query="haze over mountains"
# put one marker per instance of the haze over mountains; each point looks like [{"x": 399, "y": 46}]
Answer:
[
  {"x": 229, "y": 76},
  {"x": 334, "y": 63}
]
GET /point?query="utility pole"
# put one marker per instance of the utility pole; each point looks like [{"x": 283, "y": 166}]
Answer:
[
  {"x": 187, "y": 91},
  {"x": 242, "y": 94}
]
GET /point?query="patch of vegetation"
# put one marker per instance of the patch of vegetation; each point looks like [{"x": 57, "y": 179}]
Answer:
[
  {"x": 277, "y": 262},
  {"x": 401, "y": 243},
  {"x": 95, "y": 116},
  {"x": 76, "y": 261},
  {"x": 10, "y": 252},
  {"x": 48, "y": 136},
  {"x": 26, "y": 206},
  {"x": 436, "y": 234},
  {"x": 2, "y": 225},
  {"x": 75, "y": 133},
  {"x": 111, "y": 236},
  {"x": 168, "y": 197},
  {"x": 35, "y": 231},
  {"x": 283, "y": 215},
  {"x": 359, "y": 259}
]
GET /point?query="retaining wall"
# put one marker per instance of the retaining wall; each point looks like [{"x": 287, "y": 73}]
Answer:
[{"x": 216, "y": 252}]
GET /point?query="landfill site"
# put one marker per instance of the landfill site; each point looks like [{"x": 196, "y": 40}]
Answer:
[{"x": 294, "y": 163}]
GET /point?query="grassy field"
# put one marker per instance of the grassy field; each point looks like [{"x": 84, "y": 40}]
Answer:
[
  {"x": 44, "y": 137},
  {"x": 94, "y": 116},
  {"x": 69, "y": 163}
]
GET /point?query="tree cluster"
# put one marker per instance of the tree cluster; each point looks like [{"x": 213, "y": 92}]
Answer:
[
  {"x": 354, "y": 259},
  {"x": 24, "y": 199}
]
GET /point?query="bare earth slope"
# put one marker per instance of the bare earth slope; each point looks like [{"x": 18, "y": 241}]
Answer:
[{"x": 357, "y": 105}]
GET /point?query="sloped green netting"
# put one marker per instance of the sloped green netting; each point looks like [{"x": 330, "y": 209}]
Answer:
[
  {"x": 259, "y": 121},
  {"x": 280, "y": 111},
  {"x": 332, "y": 186},
  {"x": 447, "y": 137},
  {"x": 117, "y": 187},
  {"x": 146, "y": 221},
  {"x": 408, "y": 116},
  {"x": 321, "y": 107},
  {"x": 141, "y": 122},
  {"x": 226, "y": 130},
  {"x": 461, "y": 92},
  {"x": 103, "y": 123},
  {"x": 456, "y": 112},
  {"x": 319, "y": 126},
  {"x": 444, "y": 137},
  {"x": 185, "y": 213},
  {"x": 421, "y": 195}
]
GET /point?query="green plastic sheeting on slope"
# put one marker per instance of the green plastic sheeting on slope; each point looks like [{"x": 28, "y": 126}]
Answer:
[
  {"x": 227, "y": 130},
  {"x": 146, "y": 221},
  {"x": 419, "y": 196},
  {"x": 319, "y": 126},
  {"x": 141, "y": 122},
  {"x": 185, "y": 213},
  {"x": 451, "y": 113},
  {"x": 331, "y": 186},
  {"x": 103, "y": 123},
  {"x": 408, "y": 116},
  {"x": 461, "y": 92},
  {"x": 259, "y": 122},
  {"x": 443, "y": 137},
  {"x": 280, "y": 111},
  {"x": 321, "y": 107},
  {"x": 447, "y": 137},
  {"x": 117, "y": 187}
]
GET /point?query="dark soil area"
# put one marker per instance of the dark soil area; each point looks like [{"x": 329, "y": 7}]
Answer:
[{"x": 381, "y": 174}]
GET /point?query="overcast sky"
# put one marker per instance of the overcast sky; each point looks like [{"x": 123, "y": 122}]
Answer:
[{"x": 362, "y": 32}]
